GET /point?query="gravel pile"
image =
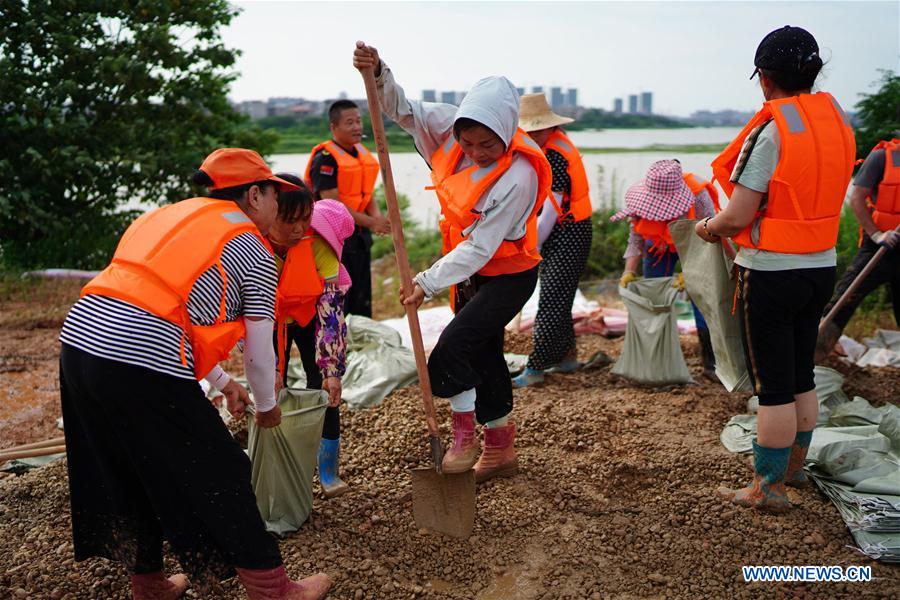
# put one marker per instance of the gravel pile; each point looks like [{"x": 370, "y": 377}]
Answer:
[{"x": 614, "y": 499}]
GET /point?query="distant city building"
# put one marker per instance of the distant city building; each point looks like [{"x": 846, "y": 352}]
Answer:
[
  {"x": 632, "y": 103},
  {"x": 720, "y": 118},
  {"x": 617, "y": 106},
  {"x": 448, "y": 97},
  {"x": 538, "y": 89},
  {"x": 557, "y": 99},
  {"x": 460, "y": 96},
  {"x": 646, "y": 103},
  {"x": 572, "y": 98},
  {"x": 520, "y": 91},
  {"x": 255, "y": 109},
  {"x": 429, "y": 96}
]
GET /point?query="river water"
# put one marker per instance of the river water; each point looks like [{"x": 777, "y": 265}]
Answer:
[{"x": 609, "y": 174}]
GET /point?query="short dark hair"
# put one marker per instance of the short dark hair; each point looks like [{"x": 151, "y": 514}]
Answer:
[
  {"x": 235, "y": 193},
  {"x": 337, "y": 107},
  {"x": 796, "y": 81},
  {"x": 294, "y": 203}
]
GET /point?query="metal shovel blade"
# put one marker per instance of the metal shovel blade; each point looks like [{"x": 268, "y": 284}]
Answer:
[{"x": 444, "y": 502}]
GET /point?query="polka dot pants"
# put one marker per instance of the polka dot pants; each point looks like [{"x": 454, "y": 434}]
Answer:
[{"x": 565, "y": 255}]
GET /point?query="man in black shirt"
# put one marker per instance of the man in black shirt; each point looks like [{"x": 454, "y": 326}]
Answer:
[{"x": 344, "y": 170}]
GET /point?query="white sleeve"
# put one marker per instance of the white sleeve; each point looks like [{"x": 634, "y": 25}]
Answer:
[
  {"x": 548, "y": 218},
  {"x": 259, "y": 362},
  {"x": 218, "y": 378},
  {"x": 429, "y": 123}
]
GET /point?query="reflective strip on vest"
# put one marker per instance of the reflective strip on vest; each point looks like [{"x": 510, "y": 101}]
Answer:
[
  {"x": 236, "y": 217},
  {"x": 562, "y": 144},
  {"x": 840, "y": 110},
  {"x": 479, "y": 173},
  {"x": 792, "y": 118}
]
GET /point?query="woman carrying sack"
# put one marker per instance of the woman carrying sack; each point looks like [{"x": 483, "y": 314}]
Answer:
[
  {"x": 564, "y": 240},
  {"x": 149, "y": 457},
  {"x": 666, "y": 194},
  {"x": 308, "y": 241},
  {"x": 491, "y": 180},
  {"x": 786, "y": 175}
]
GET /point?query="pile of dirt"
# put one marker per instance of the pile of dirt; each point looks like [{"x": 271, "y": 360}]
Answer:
[{"x": 615, "y": 498}]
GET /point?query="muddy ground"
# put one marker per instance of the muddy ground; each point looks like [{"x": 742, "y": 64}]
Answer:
[{"x": 614, "y": 498}]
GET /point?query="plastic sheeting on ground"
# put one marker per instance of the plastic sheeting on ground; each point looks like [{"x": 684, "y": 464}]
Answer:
[
  {"x": 652, "y": 351},
  {"x": 708, "y": 278},
  {"x": 854, "y": 458},
  {"x": 880, "y": 350},
  {"x": 284, "y": 459}
]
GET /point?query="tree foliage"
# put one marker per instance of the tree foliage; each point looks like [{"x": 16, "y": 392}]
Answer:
[
  {"x": 105, "y": 103},
  {"x": 878, "y": 114}
]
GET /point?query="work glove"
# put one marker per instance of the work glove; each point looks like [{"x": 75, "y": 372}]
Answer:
[
  {"x": 627, "y": 277},
  {"x": 678, "y": 282},
  {"x": 888, "y": 239}
]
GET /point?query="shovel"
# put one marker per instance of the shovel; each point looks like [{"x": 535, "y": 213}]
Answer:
[{"x": 442, "y": 502}]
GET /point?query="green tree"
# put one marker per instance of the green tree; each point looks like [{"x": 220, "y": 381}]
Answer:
[
  {"x": 878, "y": 114},
  {"x": 105, "y": 102}
]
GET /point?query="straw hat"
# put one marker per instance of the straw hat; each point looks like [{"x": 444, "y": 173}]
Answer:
[{"x": 535, "y": 114}]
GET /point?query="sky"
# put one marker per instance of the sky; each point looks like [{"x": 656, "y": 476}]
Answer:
[{"x": 691, "y": 55}]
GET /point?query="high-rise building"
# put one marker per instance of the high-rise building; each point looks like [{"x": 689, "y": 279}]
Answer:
[
  {"x": 632, "y": 103},
  {"x": 520, "y": 91},
  {"x": 572, "y": 98},
  {"x": 538, "y": 89},
  {"x": 460, "y": 96},
  {"x": 617, "y": 106},
  {"x": 448, "y": 97},
  {"x": 647, "y": 103},
  {"x": 429, "y": 96},
  {"x": 557, "y": 99}
]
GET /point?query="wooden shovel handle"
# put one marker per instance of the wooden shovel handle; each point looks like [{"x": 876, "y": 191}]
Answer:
[
  {"x": 390, "y": 194},
  {"x": 45, "y": 451},
  {"x": 51, "y": 442}
]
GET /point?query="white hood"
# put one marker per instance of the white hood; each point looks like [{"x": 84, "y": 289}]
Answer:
[{"x": 493, "y": 102}]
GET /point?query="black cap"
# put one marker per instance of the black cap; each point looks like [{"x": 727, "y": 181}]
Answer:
[{"x": 787, "y": 50}]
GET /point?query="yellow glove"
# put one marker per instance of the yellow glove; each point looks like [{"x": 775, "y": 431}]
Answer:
[
  {"x": 627, "y": 277},
  {"x": 678, "y": 282}
]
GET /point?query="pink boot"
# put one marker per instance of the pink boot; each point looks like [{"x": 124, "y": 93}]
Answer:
[
  {"x": 155, "y": 586},
  {"x": 274, "y": 584},
  {"x": 464, "y": 452},
  {"x": 499, "y": 457}
]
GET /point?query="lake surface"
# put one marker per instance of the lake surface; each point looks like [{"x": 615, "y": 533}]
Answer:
[{"x": 609, "y": 174}]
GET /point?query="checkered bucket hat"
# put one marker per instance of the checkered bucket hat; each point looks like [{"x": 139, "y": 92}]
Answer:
[{"x": 663, "y": 195}]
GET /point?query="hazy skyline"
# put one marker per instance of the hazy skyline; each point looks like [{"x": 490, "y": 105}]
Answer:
[{"x": 691, "y": 55}]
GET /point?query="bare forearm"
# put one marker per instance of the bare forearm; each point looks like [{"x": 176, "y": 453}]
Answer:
[
  {"x": 863, "y": 216},
  {"x": 740, "y": 212}
]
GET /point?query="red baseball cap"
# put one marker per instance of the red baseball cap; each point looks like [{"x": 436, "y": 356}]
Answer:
[{"x": 230, "y": 167}]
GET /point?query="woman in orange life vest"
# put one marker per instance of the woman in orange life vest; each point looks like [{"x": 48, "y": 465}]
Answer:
[
  {"x": 564, "y": 240},
  {"x": 148, "y": 456},
  {"x": 489, "y": 177},
  {"x": 666, "y": 194},
  {"x": 309, "y": 309},
  {"x": 786, "y": 175}
]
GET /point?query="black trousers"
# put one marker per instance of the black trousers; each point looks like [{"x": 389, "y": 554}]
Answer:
[
  {"x": 305, "y": 338},
  {"x": 149, "y": 459},
  {"x": 780, "y": 313},
  {"x": 357, "y": 259},
  {"x": 469, "y": 352},
  {"x": 887, "y": 271}
]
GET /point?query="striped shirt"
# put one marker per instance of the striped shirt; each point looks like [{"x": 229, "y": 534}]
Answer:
[{"x": 116, "y": 330}]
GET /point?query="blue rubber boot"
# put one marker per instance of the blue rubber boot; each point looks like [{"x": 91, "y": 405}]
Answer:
[
  {"x": 329, "y": 459},
  {"x": 766, "y": 491},
  {"x": 528, "y": 377}
]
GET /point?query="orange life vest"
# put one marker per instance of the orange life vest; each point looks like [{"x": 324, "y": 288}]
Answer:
[
  {"x": 810, "y": 181},
  {"x": 458, "y": 194},
  {"x": 162, "y": 254},
  {"x": 698, "y": 184},
  {"x": 658, "y": 232},
  {"x": 356, "y": 175},
  {"x": 579, "y": 198},
  {"x": 299, "y": 289},
  {"x": 886, "y": 209}
]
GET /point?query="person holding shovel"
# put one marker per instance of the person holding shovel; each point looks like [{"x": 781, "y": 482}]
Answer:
[
  {"x": 666, "y": 194},
  {"x": 491, "y": 180},
  {"x": 786, "y": 175},
  {"x": 343, "y": 169},
  {"x": 564, "y": 237},
  {"x": 149, "y": 457},
  {"x": 875, "y": 201},
  {"x": 309, "y": 307}
]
